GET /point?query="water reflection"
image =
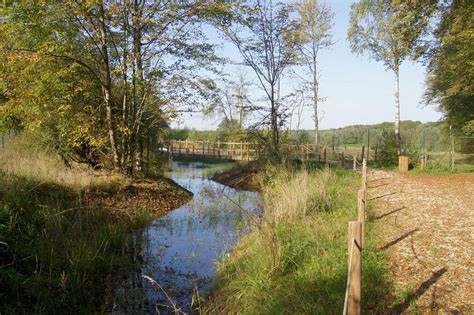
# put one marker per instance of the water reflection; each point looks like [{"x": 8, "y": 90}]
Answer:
[{"x": 179, "y": 250}]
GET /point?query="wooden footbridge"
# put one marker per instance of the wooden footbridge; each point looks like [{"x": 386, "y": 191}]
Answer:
[{"x": 247, "y": 151}]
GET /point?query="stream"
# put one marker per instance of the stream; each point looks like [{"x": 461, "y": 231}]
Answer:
[{"x": 175, "y": 256}]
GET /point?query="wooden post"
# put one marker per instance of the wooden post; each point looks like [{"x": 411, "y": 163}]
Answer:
[
  {"x": 361, "y": 210},
  {"x": 363, "y": 151},
  {"x": 452, "y": 147},
  {"x": 325, "y": 156},
  {"x": 193, "y": 148},
  {"x": 354, "y": 163},
  {"x": 203, "y": 147},
  {"x": 368, "y": 144},
  {"x": 423, "y": 163},
  {"x": 219, "y": 150},
  {"x": 403, "y": 163},
  {"x": 364, "y": 175},
  {"x": 353, "y": 293}
]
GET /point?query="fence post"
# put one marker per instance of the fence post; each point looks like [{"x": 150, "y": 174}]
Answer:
[
  {"x": 361, "y": 206},
  {"x": 403, "y": 163},
  {"x": 353, "y": 291},
  {"x": 325, "y": 156},
  {"x": 354, "y": 163},
  {"x": 363, "y": 152},
  {"x": 364, "y": 175},
  {"x": 452, "y": 147}
]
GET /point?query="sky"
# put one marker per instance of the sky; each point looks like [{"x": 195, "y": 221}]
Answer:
[{"x": 356, "y": 90}]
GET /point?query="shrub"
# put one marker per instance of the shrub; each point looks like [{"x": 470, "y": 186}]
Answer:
[{"x": 388, "y": 150}]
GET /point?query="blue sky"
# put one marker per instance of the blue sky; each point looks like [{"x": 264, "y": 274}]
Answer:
[{"x": 356, "y": 89}]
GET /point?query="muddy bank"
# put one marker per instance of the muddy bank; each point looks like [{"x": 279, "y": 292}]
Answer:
[
  {"x": 156, "y": 196},
  {"x": 244, "y": 177}
]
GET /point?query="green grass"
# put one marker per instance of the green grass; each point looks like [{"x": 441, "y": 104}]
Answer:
[
  {"x": 295, "y": 260},
  {"x": 60, "y": 251}
]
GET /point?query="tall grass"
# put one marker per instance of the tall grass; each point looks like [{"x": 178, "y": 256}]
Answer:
[
  {"x": 57, "y": 250},
  {"x": 295, "y": 260},
  {"x": 22, "y": 157}
]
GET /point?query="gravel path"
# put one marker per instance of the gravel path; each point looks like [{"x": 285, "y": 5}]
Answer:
[{"x": 427, "y": 225}]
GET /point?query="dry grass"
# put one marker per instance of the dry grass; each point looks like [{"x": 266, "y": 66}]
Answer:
[{"x": 23, "y": 158}]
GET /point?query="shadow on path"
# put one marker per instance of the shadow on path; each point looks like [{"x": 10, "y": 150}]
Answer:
[
  {"x": 402, "y": 306},
  {"x": 381, "y": 196},
  {"x": 389, "y": 213},
  {"x": 401, "y": 238},
  {"x": 380, "y": 185}
]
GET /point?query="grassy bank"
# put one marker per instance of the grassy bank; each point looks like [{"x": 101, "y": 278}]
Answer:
[
  {"x": 63, "y": 230},
  {"x": 295, "y": 260}
]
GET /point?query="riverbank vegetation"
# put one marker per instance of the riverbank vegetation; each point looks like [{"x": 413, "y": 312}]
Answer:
[
  {"x": 295, "y": 260},
  {"x": 63, "y": 230}
]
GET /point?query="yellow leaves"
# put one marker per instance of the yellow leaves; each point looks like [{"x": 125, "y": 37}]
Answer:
[{"x": 125, "y": 130}]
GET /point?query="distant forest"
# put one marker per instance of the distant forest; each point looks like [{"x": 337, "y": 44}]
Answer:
[{"x": 430, "y": 136}]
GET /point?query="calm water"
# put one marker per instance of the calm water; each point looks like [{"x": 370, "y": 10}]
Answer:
[{"x": 176, "y": 255}]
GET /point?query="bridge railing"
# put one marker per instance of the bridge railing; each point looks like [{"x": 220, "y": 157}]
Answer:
[{"x": 248, "y": 151}]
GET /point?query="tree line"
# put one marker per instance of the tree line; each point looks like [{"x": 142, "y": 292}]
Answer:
[{"x": 100, "y": 80}]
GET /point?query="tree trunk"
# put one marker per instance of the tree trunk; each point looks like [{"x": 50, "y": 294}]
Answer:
[
  {"x": 107, "y": 87},
  {"x": 274, "y": 126},
  {"x": 138, "y": 93},
  {"x": 315, "y": 96},
  {"x": 315, "y": 108},
  {"x": 397, "y": 107},
  {"x": 125, "y": 104}
]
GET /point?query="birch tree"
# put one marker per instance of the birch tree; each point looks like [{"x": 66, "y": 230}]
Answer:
[
  {"x": 389, "y": 31},
  {"x": 314, "y": 26}
]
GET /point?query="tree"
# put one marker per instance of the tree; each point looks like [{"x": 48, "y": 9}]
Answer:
[
  {"x": 314, "y": 25},
  {"x": 450, "y": 78},
  {"x": 139, "y": 57},
  {"x": 389, "y": 31},
  {"x": 264, "y": 35},
  {"x": 231, "y": 103}
]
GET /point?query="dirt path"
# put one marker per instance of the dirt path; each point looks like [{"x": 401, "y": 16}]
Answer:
[{"x": 427, "y": 225}]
